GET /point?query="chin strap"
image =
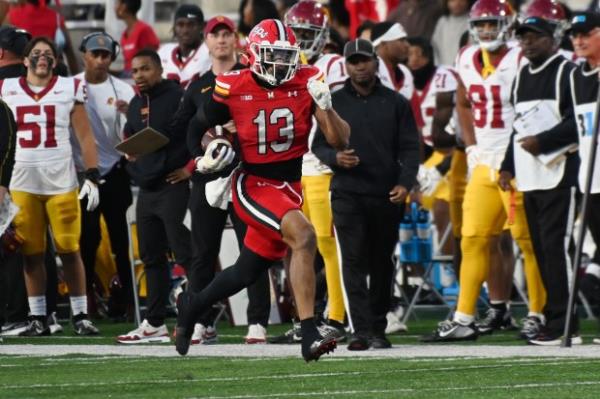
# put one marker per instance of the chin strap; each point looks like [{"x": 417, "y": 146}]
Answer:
[{"x": 488, "y": 68}]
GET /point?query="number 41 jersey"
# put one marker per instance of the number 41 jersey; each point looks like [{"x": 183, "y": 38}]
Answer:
[
  {"x": 272, "y": 124},
  {"x": 43, "y": 159},
  {"x": 493, "y": 113}
]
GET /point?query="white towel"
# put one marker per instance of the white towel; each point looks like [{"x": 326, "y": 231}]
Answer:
[{"x": 218, "y": 191}]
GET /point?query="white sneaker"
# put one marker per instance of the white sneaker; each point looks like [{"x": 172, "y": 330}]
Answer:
[
  {"x": 257, "y": 334},
  {"x": 198, "y": 333},
  {"x": 596, "y": 341},
  {"x": 145, "y": 333},
  {"x": 394, "y": 324},
  {"x": 13, "y": 329},
  {"x": 53, "y": 324}
]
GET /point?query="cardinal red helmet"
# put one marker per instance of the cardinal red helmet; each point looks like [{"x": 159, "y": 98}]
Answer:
[
  {"x": 552, "y": 11},
  {"x": 497, "y": 11},
  {"x": 272, "y": 51},
  {"x": 310, "y": 23}
]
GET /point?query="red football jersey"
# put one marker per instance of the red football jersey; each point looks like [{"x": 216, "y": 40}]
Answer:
[{"x": 272, "y": 124}]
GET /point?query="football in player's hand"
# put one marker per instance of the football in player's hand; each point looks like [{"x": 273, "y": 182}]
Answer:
[{"x": 215, "y": 133}]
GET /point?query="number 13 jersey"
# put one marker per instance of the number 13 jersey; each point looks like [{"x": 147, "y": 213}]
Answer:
[
  {"x": 43, "y": 159},
  {"x": 273, "y": 124},
  {"x": 489, "y": 97}
]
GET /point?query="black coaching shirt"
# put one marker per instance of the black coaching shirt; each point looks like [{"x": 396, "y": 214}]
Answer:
[{"x": 549, "y": 84}]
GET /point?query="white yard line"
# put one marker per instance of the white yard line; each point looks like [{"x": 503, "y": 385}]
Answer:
[
  {"x": 281, "y": 351},
  {"x": 478, "y": 388},
  {"x": 287, "y": 377}
]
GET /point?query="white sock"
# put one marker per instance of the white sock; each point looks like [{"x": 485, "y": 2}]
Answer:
[
  {"x": 37, "y": 305},
  {"x": 593, "y": 269},
  {"x": 78, "y": 304},
  {"x": 463, "y": 318}
]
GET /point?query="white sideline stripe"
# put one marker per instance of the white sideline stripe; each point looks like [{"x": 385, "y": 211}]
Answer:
[
  {"x": 289, "y": 376},
  {"x": 282, "y": 351},
  {"x": 407, "y": 390}
]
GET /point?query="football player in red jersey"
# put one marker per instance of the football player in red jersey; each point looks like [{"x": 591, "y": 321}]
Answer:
[{"x": 272, "y": 104}]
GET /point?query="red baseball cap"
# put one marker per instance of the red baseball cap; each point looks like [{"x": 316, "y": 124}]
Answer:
[{"x": 216, "y": 21}]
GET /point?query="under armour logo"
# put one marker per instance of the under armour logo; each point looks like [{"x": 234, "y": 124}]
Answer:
[
  {"x": 270, "y": 95},
  {"x": 292, "y": 93}
]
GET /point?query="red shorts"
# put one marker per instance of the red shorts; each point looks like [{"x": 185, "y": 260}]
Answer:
[{"x": 261, "y": 204}]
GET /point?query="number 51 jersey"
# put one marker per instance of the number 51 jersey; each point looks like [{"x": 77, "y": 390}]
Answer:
[
  {"x": 493, "y": 114},
  {"x": 273, "y": 124},
  {"x": 43, "y": 159}
]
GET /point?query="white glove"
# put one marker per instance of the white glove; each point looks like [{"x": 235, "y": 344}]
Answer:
[
  {"x": 428, "y": 179},
  {"x": 319, "y": 91},
  {"x": 90, "y": 190},
  {"x": 473, "y": 157},
  {"x": 209, "y": 163}
]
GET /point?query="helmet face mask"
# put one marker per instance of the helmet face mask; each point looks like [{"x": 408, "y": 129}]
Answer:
[
  {"x": 275, "y": 64},
  {"x": 489, "y": 40},
  {"x": 273, "y": 53}
]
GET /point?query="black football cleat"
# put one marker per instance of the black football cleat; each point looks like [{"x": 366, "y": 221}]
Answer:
[
  {"x": 319, "y": 347},
  {"x": 185, "y": 323}
]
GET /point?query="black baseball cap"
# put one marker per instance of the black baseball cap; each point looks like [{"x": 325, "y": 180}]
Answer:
[
  {"x": 535, "y": 24},
  {"x": 13, "y": 39},
  {"x": 584, "y": 22},
  {"x": 359, "y": 47},
  {"x": 190, "y": 11}
]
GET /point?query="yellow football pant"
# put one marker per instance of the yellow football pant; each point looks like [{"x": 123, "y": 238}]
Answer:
[
  {"x": 457, "y": 182},
  {"x": 317, "y": 208},
  {"x": 486, "y": 208},
  {"x": 36, "y": 211}
]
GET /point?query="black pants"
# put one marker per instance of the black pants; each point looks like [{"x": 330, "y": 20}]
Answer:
[
  {"x": 160, "y": 213},
  {"x": 115, "y": 198},
  {"x": 208, "y": 224},
  {"x": 14, "y": 307},
  {"x": 550, "y": 215},
  {"x": 367, "y": 232},
  {"x": 594, "y": 224}
]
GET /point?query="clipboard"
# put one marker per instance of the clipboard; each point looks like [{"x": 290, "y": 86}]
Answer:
[{"x": 143, "y": 142}]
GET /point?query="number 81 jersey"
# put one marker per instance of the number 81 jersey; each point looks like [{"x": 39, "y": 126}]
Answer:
[
  {"x": 489, "y": 97},
  {"x": 43, "y": 158},
  {"x": 273, "y": 124}
]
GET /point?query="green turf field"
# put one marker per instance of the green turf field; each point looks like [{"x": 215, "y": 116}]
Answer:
[{"x": 111, "y": 376}]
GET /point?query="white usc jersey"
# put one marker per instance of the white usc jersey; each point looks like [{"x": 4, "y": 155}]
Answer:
[
  {"x": 334, "y": 69},
  {"x": 185, "y": 71},
  {"x": 493, "y": 113},
  {"x": 404, "y": 85},
  {"x": 43, "y": 159},
  {"x": 444, "y": 80}
]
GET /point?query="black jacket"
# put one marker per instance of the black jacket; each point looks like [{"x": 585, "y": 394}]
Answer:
[
  {"x": 8, "y": 140},
  {"x": 159, "y": 104},
  {"x": 384, "y": 136}
]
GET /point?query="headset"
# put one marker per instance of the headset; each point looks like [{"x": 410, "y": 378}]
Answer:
[{"x": 116, "y": 48}]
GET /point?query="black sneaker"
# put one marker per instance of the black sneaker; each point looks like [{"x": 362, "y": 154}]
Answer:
[
  {"x": 84, "y": 327},
  {"x": 337, "y": 332},
  {"x": 532, "y": 326},
  {"x": 318, "y": 347},
  {"x": 549, "y": 338},
  {"x": 380, "y": 341},
  {"x": 358, "y": 342},
  {"x": 186, "y": 319},
  {"x": 291, "y": 336},
  {"x": 495, "y": 320},
  {"x": 449, "y": 331},
  {"x": 36, "y": 327}
]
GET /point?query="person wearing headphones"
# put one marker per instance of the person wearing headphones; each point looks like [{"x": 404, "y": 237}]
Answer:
[{"x": 108, "y": 99}]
